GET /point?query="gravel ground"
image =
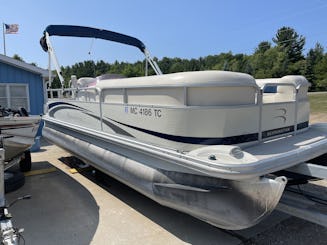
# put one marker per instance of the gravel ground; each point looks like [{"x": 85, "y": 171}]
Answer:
[{"x": 292, "y": 231}]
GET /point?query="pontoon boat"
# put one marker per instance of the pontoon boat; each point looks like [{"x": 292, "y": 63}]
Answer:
[{"x": 205, "y": 143}]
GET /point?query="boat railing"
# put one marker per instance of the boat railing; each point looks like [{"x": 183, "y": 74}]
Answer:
[
  {"x": 287, "y": 99},
  {"x": 71, "y": 93},
  {"x": 55, "y": 93},
  {"x": 96, "y": 95},
  {"x": 286, "y": 94}
]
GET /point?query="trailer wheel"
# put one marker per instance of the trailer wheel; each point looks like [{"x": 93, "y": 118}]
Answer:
[
  {"x": 25, "y": 164},
  {"x": 13, "y": 180}
]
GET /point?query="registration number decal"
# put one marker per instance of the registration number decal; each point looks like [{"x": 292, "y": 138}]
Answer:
[{"x": 143, "y": 111}]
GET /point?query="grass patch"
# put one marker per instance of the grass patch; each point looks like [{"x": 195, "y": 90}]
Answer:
[{"x": 318, "y": 102}]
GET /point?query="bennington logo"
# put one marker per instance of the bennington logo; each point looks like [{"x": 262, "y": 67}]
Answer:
[{"x": 277, "y": 131}]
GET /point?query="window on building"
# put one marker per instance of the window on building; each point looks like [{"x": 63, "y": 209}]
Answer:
[{"x": 14, "y": 96}]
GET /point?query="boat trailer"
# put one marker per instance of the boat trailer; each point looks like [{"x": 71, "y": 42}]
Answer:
[{"x": 306, "y": 203}]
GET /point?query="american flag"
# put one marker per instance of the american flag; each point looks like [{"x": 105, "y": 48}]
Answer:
[{"x": 11, "y": 28}]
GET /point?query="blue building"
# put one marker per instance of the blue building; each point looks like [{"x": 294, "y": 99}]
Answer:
[{"x": 22, "y": 85}]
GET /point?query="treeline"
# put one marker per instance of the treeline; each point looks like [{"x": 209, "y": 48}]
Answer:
[{"x": 281, "y": 56}]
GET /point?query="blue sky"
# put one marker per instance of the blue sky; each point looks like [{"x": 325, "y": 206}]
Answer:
[{"x": 171, "y": 28}]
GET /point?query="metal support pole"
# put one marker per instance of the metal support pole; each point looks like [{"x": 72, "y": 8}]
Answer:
[
  {"x": 260, "y": 103},
  {"x": 2, "y": 174},
  {"x": 296, "y": 108},
  {"x": 4, "y": 38},
  {"x": 146, "y": 66},
  {"x": 100, "y": 108},
  {"x": 2, "y": 177}
]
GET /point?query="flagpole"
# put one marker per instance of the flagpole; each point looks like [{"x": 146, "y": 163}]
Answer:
[{"x": 4, "y": 38}]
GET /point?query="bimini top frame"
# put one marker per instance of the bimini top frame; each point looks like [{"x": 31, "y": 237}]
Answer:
[{"x": 82, "y": 31}]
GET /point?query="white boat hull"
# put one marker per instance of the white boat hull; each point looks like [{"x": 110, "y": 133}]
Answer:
[{"x": 18, "y": 134}]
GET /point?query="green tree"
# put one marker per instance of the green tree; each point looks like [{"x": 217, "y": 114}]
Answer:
[
  {"x": 272, "y": 63},
  {"x": 17, "y": 57},
  {"x": 177, "y": 66},
  {"x": 291, "y": 43},
  {"x": 263, "y": 47},
  {"x": 314, "y": 57},
  {"x": 320, "y": 71},
  {"x": 165, "y": 64},
  {"x": 101, "y": 68}
]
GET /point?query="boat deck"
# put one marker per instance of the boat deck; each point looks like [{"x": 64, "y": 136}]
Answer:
[{"x": 291, "y": 143}]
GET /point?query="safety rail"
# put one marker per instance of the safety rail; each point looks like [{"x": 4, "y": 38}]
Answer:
[
  {"x": 72, "y": 93},
  {"x": 68, "y": 93},
  {"x": 261, "y": 103}
]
